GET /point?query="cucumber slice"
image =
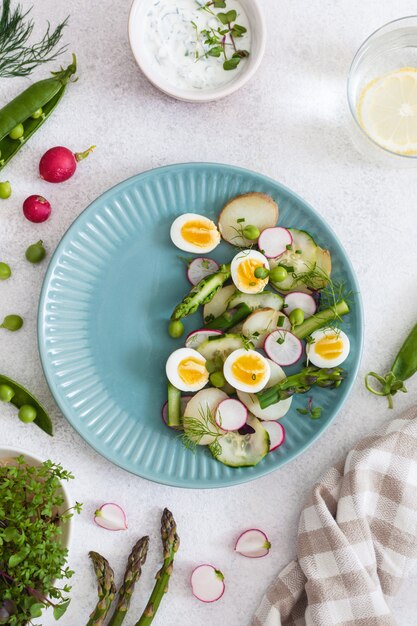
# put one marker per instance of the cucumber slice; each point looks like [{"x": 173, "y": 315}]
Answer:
[
  {"x": 242, "y": 450},
  {"x": 323, "y": 269},
  {"x": 264, "y": 300},
  {"x": 218, "y": 304},
  {"x": 222, "y": 346},
  {"x": 301, "y": 258}
]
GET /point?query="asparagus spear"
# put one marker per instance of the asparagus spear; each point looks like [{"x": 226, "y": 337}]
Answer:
[
  {"x": 321, "y": 319},
  {"x": 301, "y": 383},
  {"x": 133, "y": 571},
  {"x": 170, "y": 545},
  {"x": 105, "y": 588},
  {"x": 201, "y": 293},
  {"x": 230, "y": 318}
]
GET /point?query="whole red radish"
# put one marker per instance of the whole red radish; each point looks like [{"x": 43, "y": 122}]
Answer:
[
  {"x": 36, "y": 209},
  {"x": 59, "y": 164}
]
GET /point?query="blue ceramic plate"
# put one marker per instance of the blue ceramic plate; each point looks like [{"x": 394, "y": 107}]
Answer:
[{"x": 105, "y": 304}]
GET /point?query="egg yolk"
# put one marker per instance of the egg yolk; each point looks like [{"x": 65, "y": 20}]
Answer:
[
  {"x": 192, "y": 371},
  {"x": 199, "y": 233},
  {"x": 248, "y": 369},
  {"x": 246, "y": 273},
  {"x": 329, "y": 347}
]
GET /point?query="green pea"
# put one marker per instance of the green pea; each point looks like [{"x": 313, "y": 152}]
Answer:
[
  {"x": 217, "y": 379},
  {"x": 37, "y": 114},
  {"x": 17, "y": 132},
  {"x": 5, "y": 189},
  {"x": 6, "y": 393},
  {"x": 261, "y": 272},
  {"x": 251, "y": 232},
  {"x": 12, "y": 322},
  {"x": 5, "y": 271},
  {"x": 175, "y": 329},
  {"x": 36, "y": 252},
  {"x": 278, "y": 274},
  {"x": 27, "y": 413},
  {"x": 296, "y": 317}
]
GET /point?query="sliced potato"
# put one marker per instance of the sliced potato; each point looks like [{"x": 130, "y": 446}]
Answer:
[
  {"x": 266, "y": 299},
  {"x": 251, "y": 209},
  {"x": 218, "y": 304},
  {"x": 201, "y": 408},
  {"x": 274, "y": 411},
  {"x": 259, "y": 324}
]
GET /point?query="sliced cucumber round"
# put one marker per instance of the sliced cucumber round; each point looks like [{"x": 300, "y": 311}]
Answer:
[
  {"x": 263, "y": 300},
  {"x": 299, "y": 260},
  {"x": 218, "y": 304},
  {"x": 237, "y": 450},
  {"x": 222, "y": 346}
]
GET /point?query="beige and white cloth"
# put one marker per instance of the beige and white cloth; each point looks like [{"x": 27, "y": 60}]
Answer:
[{"x": 357, "y": 537}]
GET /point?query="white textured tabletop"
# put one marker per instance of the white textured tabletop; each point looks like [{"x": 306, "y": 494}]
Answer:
[{"x": 290, "y": 123}]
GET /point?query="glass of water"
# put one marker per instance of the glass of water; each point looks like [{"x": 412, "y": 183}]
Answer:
[{"x": 382, "y": 91}]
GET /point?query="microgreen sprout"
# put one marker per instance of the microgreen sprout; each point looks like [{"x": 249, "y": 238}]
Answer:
[
  {"x": 221, "y": 41},
  {"x": 314, "y": 412}
]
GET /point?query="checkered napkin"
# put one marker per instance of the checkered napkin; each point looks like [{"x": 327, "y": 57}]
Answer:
[{"x": 357, "y": 537}]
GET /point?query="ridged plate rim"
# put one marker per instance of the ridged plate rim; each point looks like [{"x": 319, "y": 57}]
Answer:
[{"x": 259, "y": 470}]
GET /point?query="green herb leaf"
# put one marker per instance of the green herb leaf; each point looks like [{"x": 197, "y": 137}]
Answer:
[
  {"x": 231, "y": 16},
  {"x": 219, "y": 4},
  {"x": 36, "y": 609},
  {"x": 60, "y": 609},
  {"x": 216, "y": 51},
  {"x": 238, "y": 31},
  {"x": 231, "y": 64},
  {"x": 303, "y": 411}
]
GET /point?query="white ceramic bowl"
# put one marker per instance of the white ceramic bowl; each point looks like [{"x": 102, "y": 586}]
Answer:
[
  {"x": 256, "y": 19},
  {"x": 7, "y": 452}
]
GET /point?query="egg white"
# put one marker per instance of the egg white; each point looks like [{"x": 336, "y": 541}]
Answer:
[
  {"x": 241, "y": 257},
  {"x": 172, "y": 365},
  {"x": 239, "y": 385},
  {"x": 179, "y": 241},
  {"x": 317, "y": 359}
]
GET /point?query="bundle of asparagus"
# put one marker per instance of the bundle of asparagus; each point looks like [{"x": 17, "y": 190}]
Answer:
[{"x": 105, "y": 578}]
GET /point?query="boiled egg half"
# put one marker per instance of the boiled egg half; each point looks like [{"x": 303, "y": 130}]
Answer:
[
  {"x": 186, "y": 370},
  {"x": 247, "y": 370},
  {"x": 329, "y": 347},
  {"x": 243, "y": 268},
  {"x": 194, "y": 233}
]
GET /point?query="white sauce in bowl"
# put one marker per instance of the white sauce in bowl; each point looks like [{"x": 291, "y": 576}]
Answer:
[{"x": 169, "y": 38}]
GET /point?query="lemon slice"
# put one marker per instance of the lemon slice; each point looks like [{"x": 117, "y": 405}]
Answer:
[{"x": 387, "y": 110}]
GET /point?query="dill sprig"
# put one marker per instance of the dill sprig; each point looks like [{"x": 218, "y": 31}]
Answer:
[
  {"x": 17, "y": 56},
  {"x": 196, "y": 429}
]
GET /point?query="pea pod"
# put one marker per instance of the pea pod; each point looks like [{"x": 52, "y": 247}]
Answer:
[
  {"x": 45, "y": 95},
  {"x": 404, "y": 366},
  {"x": 23, "y": 397}
]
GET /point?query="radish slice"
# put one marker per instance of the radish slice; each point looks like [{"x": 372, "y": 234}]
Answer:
[
  {"x": 196, "y": 337},
  {"x": 283, "y": 347},
  {"x": 111, "y": 517},
  {"x": 299, "y": 300},
  {"x": 200, "y": 268},
  {"x": 253, "y": 543},
  {"x": 207, "y": 583},
  {"x": 274, "y": 241},
  {"x": 184, "y": 401},
  {"x": 276, "y": 434},
  {"x": 231, "y": 415}
]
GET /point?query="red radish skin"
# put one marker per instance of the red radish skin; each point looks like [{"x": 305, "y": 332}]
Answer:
[
  {"x": 276, "y": 434},
  {"x": 200, "y": 268},
  {"x": 36, "y": 209},
  {"x": 196, "y": 337},
  {"x": 300, "y": 300},
  {"x": 59, "y": 164},
  {"x": 204, "y": 579},
  {"x": 111, "y": 516},
  {"x": 288, "y": 352},
  {"x": 274, "y": 241},
  {"x": 249, "y": 539},
  {"x": 184, "y": 401}
]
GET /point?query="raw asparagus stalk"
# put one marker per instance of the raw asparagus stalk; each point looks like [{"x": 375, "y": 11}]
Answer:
[
  {"x": 105, "y": 588},
  {"x": 230, "y": 318},
  {"x": 201, "y": 293},
  {"x": 170, "y": 545},
  {"x": 301, "y": 383},
  {"x": 133, "y": 571},
  {"x": 321, "y": 319}
]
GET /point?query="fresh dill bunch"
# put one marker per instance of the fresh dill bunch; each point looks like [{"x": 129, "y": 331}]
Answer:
[
  {"x": 196, "y": 429},
  {"x": 19, "y": 57}
]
